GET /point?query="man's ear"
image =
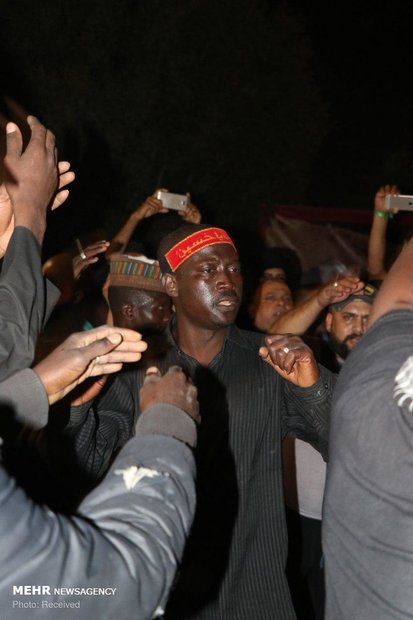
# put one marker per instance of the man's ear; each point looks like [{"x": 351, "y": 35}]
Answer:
[
  {"x": 127, "y": 311},
  {"x": 328, "y": 321},
  {"x": 170, "y": 285}
]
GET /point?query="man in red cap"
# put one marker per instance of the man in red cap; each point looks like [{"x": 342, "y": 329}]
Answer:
[{"x": 234, "y": 562}]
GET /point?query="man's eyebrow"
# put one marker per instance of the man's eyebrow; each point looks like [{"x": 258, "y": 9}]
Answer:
[{"x": 354, "y": 313}]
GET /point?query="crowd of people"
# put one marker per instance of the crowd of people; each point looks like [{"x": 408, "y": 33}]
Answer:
[{"x": 158, "y": 461}]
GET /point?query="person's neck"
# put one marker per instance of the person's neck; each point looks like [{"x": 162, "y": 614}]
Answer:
[{"x": 201, "y": 344}]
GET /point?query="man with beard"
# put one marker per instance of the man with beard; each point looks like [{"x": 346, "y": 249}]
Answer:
[
  {"x": 233, "y": 568},
  {"x": 273, "y": 310},
  {"x": 345, "y": 324}
]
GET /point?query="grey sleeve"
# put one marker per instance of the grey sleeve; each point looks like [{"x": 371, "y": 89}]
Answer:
[
  {"x": 165, "y": 419},
  {"x": 127, "y": 540},
  {"x": 307, "y": 410},
  {"x": 23, "y": 302},
  {"x": 23, "y": 394}
]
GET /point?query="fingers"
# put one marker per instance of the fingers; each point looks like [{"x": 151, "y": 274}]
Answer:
[
  {"x": 50, "y": 143},
  {"x": 173, "y": 388},
  {"x": 63, "y": 166},
  {"x": 88, "y": 254},
  {"x": 109, "y": 353},
  {"x": 65, "y": 178},
  {"x": 127, "y": 345},
  {"x": 116, "y": 359},
  {"x": 191, "y": 214},
  {"x": 173, "y": 369},
  {"x": 92, "y": 391},
  {"x": 59, "y": 199},
  {"x": 129, "y": 337},
  {"x": 342, "y": 288},
  {"x": 154, "y": 206},
  {"x": 280, "y": 359},
  {"x": 99, "y": 349},
  {"x": 14, "y": 140},
  {"x": 152, "y": 375},
  {"x": 39, "y": 133},
  {"x": 283, "y": 351}
]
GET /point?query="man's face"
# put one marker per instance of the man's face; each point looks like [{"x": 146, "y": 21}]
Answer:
[
  {"x": 275, "y": 300},
  {"x": 152, "y": 311},
  {"x": 274, "y": 273},
  {"x": 209, "y": 287},
  {"x": 347, "y": 326}
]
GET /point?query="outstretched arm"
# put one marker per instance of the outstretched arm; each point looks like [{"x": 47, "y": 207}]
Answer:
[
  {"x": 33, "y": 183},
  {"x": 377, "y": 240},
  {"x": 299, "y": 319},
  {"x": 119, "y": 242},
  {"x": 307, "y": 391},
  {"x": 129, "y": 535},
  {"x": 33, "y": 176},
  {"x": 151, "y": 206},
  {"x": 97, "y": 352}
]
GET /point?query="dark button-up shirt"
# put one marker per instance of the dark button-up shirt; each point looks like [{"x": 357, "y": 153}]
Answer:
[{"x": 234, "y": 562}]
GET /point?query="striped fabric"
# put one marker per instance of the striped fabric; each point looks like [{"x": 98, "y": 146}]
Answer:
[
  {"x": 234, "y": 563},
  {"x": 135, "y": 272}
]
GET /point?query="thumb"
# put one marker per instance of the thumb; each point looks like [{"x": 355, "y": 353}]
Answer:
[
  {"x": 14, "y": 141},
  {"x": 102, "y": 347},
  {"x": 152, "y": 375}
]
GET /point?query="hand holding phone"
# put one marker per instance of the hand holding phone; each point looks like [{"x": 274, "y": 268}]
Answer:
[
  {"x": 178, "y": 202},
  {"x": 401, "y": 202}
]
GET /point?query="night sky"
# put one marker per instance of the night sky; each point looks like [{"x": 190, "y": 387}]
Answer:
[
  {"x": 363, "y": 58},
  {"x": 229, "y": 100}
]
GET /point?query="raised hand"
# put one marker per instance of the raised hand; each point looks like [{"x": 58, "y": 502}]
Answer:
[
  {"x": 88, "y": 256},
  {"x": 34, "y": 181},
  {"x": 191, "y": 214},
  {"x": 291, "y": 358},
  {"x": 174, "y": 388},
  {"x": 381, "y": 194},
  {"x": 338, "y": 290},
  {"x": 92, "y": 353}
]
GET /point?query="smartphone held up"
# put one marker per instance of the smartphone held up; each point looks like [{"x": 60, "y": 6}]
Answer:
[
  {"x": 178, "y": 202},
  {"x": 401, "y": 202}
]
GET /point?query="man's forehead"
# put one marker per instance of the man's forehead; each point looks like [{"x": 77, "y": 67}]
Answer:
[
  {"x": 152, "y": 295},
  {"x": 216, "y": 252},
  {"x": 275, "y": 286},
  {"x": 356, "y": 307}
]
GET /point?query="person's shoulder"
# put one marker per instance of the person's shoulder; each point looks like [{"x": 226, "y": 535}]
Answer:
[
  {"x": 395, "y": 328},
  {"x": 398, "y": 316}
]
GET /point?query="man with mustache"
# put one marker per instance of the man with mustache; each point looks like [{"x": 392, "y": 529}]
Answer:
[
  {"x": 233, "y": 567},
  {"x": 345, "y": 324}
]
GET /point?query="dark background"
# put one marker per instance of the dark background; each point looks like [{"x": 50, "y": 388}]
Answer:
[{"x": 245, "y": 104}]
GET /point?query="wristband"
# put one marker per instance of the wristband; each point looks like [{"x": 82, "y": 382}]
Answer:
[{"x": 388, "y": 215}]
